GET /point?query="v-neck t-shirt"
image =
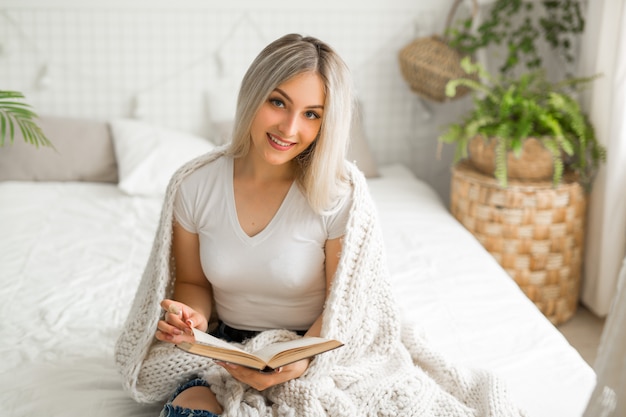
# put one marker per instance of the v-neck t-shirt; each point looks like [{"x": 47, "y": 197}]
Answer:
[{"x": 274, "y": 279}]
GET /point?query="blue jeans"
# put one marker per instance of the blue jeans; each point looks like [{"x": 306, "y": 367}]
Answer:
[{"x": 170, "y": 410}]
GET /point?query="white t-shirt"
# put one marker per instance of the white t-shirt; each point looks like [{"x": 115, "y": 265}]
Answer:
[{"x": 274, "y": 279}]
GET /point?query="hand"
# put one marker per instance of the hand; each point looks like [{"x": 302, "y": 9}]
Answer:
[
  {"x": 262, "y": 381},
  {"x": 178, "y": 321}
]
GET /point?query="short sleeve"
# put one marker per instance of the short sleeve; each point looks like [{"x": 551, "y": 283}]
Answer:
[
  {"x": 182, "y": 214},
  {"x": 337, "y": 221}
]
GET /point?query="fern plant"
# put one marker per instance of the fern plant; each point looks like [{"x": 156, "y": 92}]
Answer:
[
  {"x": 510, "y": 110},
  {"x": 14, "y": 111}
]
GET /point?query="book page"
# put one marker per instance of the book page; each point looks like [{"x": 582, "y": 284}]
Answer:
[
  {"x": 274, "y": 349},
  {"x": 207, "y": 339},
  {"x": 274, "y": 355}
]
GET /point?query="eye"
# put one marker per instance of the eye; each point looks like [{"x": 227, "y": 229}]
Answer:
[
  {"x": 311, "y": 115},
  {"x": 277, "y": 102}
]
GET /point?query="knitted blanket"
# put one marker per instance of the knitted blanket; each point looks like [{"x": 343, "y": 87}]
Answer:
[{"x": 383, "y": 369}]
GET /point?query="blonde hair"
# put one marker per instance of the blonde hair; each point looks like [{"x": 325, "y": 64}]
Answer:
[{"x": 321, "y": 175}]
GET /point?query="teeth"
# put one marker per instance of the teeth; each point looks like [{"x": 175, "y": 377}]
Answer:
[{"x": 278, "y": 142}]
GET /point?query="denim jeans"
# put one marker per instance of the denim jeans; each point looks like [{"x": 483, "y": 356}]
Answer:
[{"x": 170, "y": 410}]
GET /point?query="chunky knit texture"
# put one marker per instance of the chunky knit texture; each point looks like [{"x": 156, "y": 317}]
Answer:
[{"x": 383, "y": 369}]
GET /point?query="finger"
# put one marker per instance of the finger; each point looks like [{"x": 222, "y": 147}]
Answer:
[
  {"x": 175, "y": 321},
  {"x": 162, "y": 336},
  {"x": 166, "y": 327},
  {"x": 174, "y": 309},
  {"x": 167, "y": 337},
  {"x": 181, "y": 325},
  {"x": 173, "y": 314},
  {"x": 168, "y": 333},
  {"x": 184, "y": 316},
  {"x": 176, "y": 330},
  {"x": 171, "y": 307},
  {"x": 180, "y": 315}
]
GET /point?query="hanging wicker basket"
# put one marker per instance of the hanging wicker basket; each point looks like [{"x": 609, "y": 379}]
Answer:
[{"x": 428, "y": 63}]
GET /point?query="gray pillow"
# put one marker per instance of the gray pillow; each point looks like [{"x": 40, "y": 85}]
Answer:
[
  {"x": 83, "y": 151},
  {"x": 359, "y": 150}
]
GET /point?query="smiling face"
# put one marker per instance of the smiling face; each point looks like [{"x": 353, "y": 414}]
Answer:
[{"x": 289, "y": 120}]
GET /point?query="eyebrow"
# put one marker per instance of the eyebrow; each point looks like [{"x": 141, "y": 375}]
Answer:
[{"x": 315, "y": 106}]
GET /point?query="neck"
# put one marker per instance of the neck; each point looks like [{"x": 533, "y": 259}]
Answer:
[{"x": 247, "y": 167}]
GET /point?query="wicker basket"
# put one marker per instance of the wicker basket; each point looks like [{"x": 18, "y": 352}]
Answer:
[
  {"x": 534, "y": 230},
  {"x": 535, "y": 162},
  {"x": 428, "y": 63}
]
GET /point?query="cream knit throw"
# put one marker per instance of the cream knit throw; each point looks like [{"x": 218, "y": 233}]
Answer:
[{"x": 383, "y": 369}]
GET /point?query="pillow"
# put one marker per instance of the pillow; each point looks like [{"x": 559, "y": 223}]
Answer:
[
  {"x": 82, "y": 151},
  {"x": 359, "y": 150},
  {"x": 222, "y": 104},
  {"x": 148, "y": 155}
]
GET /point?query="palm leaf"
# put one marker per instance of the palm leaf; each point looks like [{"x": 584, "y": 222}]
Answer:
[{"x": 18, "y": 113}]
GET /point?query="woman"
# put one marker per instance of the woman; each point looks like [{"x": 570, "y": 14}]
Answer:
[
  {"x": 284, "y": 168},
  {"x": 276, "y": 237}
]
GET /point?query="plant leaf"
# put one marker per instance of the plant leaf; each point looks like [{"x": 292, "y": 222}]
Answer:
[{"x": 19, "y": 113}]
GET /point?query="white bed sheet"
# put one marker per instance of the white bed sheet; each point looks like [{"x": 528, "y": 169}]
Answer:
[
  {"x": 456, "y": 294},
  {"x": 71, "y": 255}
]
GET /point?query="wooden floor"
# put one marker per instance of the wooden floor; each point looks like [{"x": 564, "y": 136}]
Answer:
[{"x": 584, "y": 331}]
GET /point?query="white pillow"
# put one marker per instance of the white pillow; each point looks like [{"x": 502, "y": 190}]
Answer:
[
  {"x": 148, "y": 155},
  {"x": 222, "y": 104},
  {"x": 359, "y": 150}
]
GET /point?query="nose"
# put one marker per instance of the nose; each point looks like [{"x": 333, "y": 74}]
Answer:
[{"x": 288, "y": 126}]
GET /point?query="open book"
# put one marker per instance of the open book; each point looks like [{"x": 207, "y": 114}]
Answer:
[{"x": 267, "y": 359}]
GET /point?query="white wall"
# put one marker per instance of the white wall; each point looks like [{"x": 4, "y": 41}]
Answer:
[{"x": 158, "y": 60}]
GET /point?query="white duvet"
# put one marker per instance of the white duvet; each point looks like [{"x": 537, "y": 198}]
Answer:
[{"x": 71, "y": 255}]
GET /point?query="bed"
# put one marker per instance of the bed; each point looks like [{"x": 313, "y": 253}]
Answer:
[{"x": 77, "y": 225}]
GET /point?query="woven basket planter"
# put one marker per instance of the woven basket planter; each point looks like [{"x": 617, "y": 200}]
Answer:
[
  {"x": 535, "y": 162},
  {"x": 534, "y": 230}
]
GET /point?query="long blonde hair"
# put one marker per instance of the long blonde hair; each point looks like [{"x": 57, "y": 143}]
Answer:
[{"x": 321, "y": 166}]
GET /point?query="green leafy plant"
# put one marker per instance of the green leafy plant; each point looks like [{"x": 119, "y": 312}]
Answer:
[
  {"x": 519, "y": 25},
  {"x": 14, "y": 111},
  {"x": 510, "y": 110}
]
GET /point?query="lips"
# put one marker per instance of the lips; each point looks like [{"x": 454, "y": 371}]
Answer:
[{"x": 278, "y": 143}]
